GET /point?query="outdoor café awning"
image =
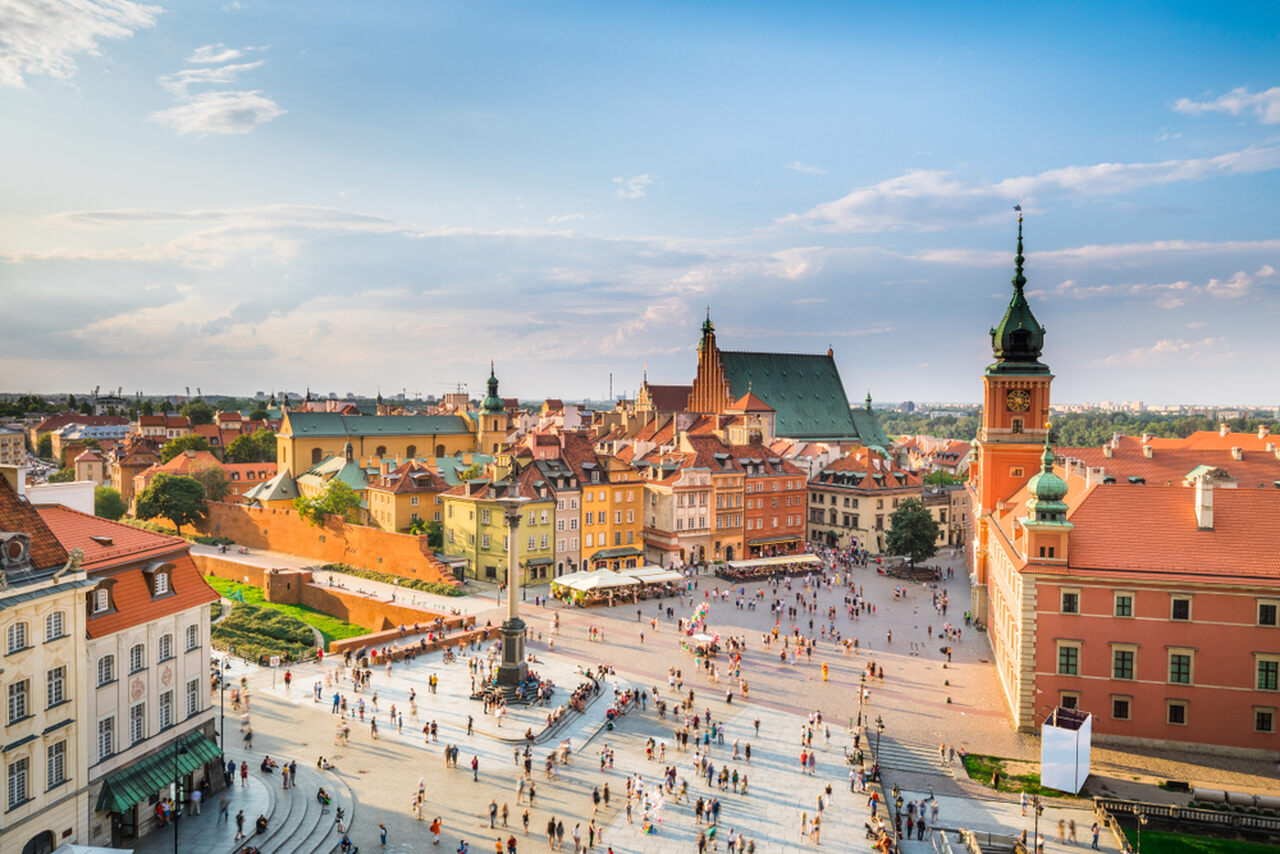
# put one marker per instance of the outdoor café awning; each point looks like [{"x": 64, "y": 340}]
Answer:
[
  {"x": 769, "y": 541},
  {"x": 780, "y": 560},
  {"x": 587, "y": 581},
  {"x": 540, "y": 561},
  {"x": 147, "y": 776},
  {"x": 652, "y": 574},
  {"x": 610, "y": 554}
]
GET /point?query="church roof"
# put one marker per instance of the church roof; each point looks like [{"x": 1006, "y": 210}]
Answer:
[
  {"x": 334, "y": 424},
  {"x": 750, "y": 403},
  {"x": 669, "y": 398},
  {"x": 804, "y": 390}
]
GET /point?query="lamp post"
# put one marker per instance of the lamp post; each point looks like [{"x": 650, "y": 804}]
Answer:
[
  {"x": 862, "y": 694},
  {"x": 879, "y": 732},
  {"x": 1142, "y": 819},
  {"x": 1039, "y": 808},
  {"x": 514, "y": 669},
  {"x": 178, "y": 750},
  {"x": 222, "y": 704}
]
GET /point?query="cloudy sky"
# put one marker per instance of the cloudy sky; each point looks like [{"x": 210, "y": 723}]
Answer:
[{"x": 255, "y": 195}]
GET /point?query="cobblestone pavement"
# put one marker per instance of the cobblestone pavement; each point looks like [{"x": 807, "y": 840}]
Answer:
[{"x": 912, "y": 700}]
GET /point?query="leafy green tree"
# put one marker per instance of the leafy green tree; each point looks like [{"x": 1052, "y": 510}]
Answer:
[
  {"x": 174, "y": 497},
  {"x": 44, "y": 446},
  {"x": 942, "y": 478},
  {"x": 181, "y": 444},
  {"x": 63, "y": 475},
  {"x": 198, "y": 411},
  {"x": 435, "y": 536},
  {"x": 107, "y": 503},
  {"x": 338, "y": 499},
  {"x": 259, "y": 414},
  {"x": 148, "y": 408},
  {"x": 471, "y": 472},
  {"x": 213, "y": 480},
  {"x": 256, "y": 447},
  {"x": 913, "y": 531},
  {"x": 71, "y": 401},
  {"x": 86, "y": 408}
]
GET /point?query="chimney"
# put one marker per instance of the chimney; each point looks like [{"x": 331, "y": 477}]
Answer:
[
  {"x": 1108, "y": 451},
  {"x": 1224, "y": 429},
  {"x": 1263, "y": 431},
  {"x": 1204, "y": 504},
  {"x": 1237, "y": 454},
  {"x": 1146, "y": 437},
  {"x": 386, "y": 468},
  {"x": 1148, "y": 451}
]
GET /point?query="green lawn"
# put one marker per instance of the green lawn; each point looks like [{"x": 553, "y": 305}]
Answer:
[
  {"x": 979, "y": 767},
  {"x": 331, "y": 627},
  {"x": 1156, "y": 842}
]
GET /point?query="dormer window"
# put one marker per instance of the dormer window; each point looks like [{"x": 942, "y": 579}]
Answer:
[
  {"x": 159, "y": 576},
  {"x": 101, "y": 600}
]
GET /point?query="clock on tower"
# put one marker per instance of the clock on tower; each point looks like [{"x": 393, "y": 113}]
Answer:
[{"x": 1018, "y": 400}]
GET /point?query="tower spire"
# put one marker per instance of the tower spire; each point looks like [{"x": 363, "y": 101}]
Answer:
[{"x": 1019, "y": 280}]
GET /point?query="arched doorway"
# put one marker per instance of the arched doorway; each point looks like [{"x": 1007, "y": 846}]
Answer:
[
  {"x": 41, "y": 843},
  {"x": 728, "y": 552}
]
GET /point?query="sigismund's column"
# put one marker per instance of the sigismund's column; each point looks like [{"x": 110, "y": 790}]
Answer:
[{"x": 513, "y": 670}]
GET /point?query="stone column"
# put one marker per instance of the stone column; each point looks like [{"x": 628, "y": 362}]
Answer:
[{"x": 513, "y": 670}]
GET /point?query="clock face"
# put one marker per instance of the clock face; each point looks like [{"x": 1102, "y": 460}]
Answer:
[{"x": 1018, "y": 400}]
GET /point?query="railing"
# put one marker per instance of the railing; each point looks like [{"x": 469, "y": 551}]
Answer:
[{"x": 1106, "y": 808}]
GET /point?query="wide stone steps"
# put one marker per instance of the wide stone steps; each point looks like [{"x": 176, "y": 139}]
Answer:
[
  {"x": 909, "y": 757},
  {"x": 298, "y": 824}
]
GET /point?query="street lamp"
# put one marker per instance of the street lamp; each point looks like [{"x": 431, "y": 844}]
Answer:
[
  {"x": 1039, "y": 808},
  {"x": 514, "y": 669},
  {"x": 862, "y": 693},
  {"x": 1142, "y": 819},
  {"x": 222, "y": 704},
  {"x": 179, "y": 750},
  {"x": 879, "y": 732}
]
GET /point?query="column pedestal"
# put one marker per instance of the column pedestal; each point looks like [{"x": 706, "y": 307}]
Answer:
[{"x": 514, "y": 669}]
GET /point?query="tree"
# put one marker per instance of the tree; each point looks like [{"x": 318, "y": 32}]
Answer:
[
  {"x": 44, "y": 446},
  {"x": 181, "y": 444},
  {"x": 913, "y": 531},
  {"x": 471, "y": 472},
  {"x": 213, "y": 480},
  {"x": 86, "y": 408},
  {"x": 258, "y": 414},
  {"x": 174, "y": 497},
  {"x": 198, "y": 411},
  {"x": 63, "y": 475},
  {"x": 71, "y": 401},
  {"x": 148, "y": 408},
  {"x": 435, "y": 536},
  {"x": 941, "y": 478},
  {"x": 339, "y": 499},
  {"x": 256, "y": 447},
  {"x": 107, "y": 503}
]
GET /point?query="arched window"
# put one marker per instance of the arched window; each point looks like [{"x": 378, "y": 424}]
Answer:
[
  {"x": 164, "y": 651},
  {"x": 380, "y": 451},
  {"x": 411, "y": 451},
  {"x": 106, "y": 669},
  {"x": 440, "y": 450},
  {"x": 137, "y": 658},
  {"x": 315, "y": 456},
  {"x": 193, "y": 637},
  {"x": 17, "y": 637},
  {"x": 53, "y": 626}
]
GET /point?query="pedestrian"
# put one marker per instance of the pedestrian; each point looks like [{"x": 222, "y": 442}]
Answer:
[
  {"x": 224, "y": 806},
  {"x": 475, "y": 769},
  {"x": 382, "y": 834},
  {"x": 506, "y": 810},
  {"x": 196, "y": 797},
  {"x": 493, "y": 811},
  {"x": 435, "y": 830},
  {"x": 240, "y": 827},
  {"x": 1096, "y": 831}
]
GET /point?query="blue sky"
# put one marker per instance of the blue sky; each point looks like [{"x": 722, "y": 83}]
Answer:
[{"x": 250, "y": 195}]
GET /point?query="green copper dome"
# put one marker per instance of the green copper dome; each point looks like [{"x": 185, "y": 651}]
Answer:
[
  {"x": 1047, "y": 491},
  {"x": 1018, "y": 339},
  {"x": 492, "y": 403}
]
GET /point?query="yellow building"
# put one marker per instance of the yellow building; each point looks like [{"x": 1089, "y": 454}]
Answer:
[
  {"x": 612, "y": 514},
  {"x": 42, "y": 627},
  {"x": 13, "y": 448},
  {"x": 475, "y": 526},
  {"x": 307, "y": 438},
  {"x": 402, "y": 496}
]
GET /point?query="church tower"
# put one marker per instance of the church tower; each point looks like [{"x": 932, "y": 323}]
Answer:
[
  {"x": 494, "y": 425},
  {"x": 710, "y": 393},
  {"x": 1015, "y": 417}
]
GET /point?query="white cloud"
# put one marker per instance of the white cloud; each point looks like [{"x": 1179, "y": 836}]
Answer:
[
  {"x": 1170, "y": 350},
  {"x": 178, "y": 83},
  {"x": 1264, "y": 105},
  {"x": 1113, "y": 254},
  {"x": 633, "y": 188},
  {"x": 45, "y": 36},
  {"x": 569, "y": 217},
  {"x": 220, "y": 112},
  {"x": 926, "y": 200},
  {"x": 214, "y": 53},
  {"x": 806, "y": 168}
]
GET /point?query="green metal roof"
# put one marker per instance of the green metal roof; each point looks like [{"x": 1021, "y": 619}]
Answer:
[
  {"x": 142, "y": 779},
  {"x": 280, "y": 488},
  {"x": 338, "y": 468},
  {"x": 804, "y": 390},
  {"x": 625, "y": 551},
  {"x": 333, "y": 424}
]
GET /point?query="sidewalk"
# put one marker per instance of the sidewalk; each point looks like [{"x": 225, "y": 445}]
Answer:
[{"x": 204, "y": 832}]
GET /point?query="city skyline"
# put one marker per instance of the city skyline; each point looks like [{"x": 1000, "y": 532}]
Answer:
[{"x": 211, "y": 194}]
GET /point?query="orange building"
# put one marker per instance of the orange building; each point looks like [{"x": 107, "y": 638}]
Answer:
[
  {"x": 1150, "y": 600},
  {"x": 774, "y": 494}
]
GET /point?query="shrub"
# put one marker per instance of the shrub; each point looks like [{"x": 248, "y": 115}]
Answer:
[
  {"x": 442, "y": 588},
  {"x": 252, "y": 631}
]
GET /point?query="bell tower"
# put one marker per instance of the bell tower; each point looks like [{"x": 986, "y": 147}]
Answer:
[
  {"x": 494, "y": 423},
  {"x": 1015, "y": 414}
]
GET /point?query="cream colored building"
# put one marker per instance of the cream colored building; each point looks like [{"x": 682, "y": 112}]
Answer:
[{"x": 13, "y": 447}]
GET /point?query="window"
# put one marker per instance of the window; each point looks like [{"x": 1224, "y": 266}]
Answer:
[
  {"x": 165, "y": 649},
  {"x": 484, "y": 517},
  {"x": 106, "y": 670},
  {"x": 55, "y": 685},
  {"x": 1069, "y": 699},
  {"x": 1122, "y": 660},
  {"x": 413, "y": 501},
  {"x": 17, "y": 782},
  {"x": 137, "y": 723},
  {"x": 1264, "y": 720},
  {"x": 590, "y": 518},
  {"x": 1121, "y": 708},
  {"x": 17, "y": 700},
  {"x": 17, "y": 636},
  {"x": 1068, "y": 659},
  {"x": 1016, "y": 471},
  {"x": 1267, "y": 612},
  {"x": 161, "y": 583},
  {"x": 101, "y": 600},
  {"x": 617, "y": 517},
  {"x": 106, "y": 737},
  {"x": 53, "y": 626},
  {"x": 1180, "y": 608},
  {"x": 193, "y": 637},
  {"x": 166, "y": 710},
  {"x": 1176, "y": 712},
  {"x": 137, "y": 658},
  {"x": 631, "y": 516},
  {"x": 315, "y": 456},
  {"x": 545, "y": 540},
  {"x": 559, "y": 524},
  {"x": 588, "y": 541},
  {"x": 411, "y": 451},
  {"x": 193, "y": 697},
  {"x": 1268, "y": 673},
  {"x": 1124, "y": 605},
  {"x": 1180, "y": 667},
  {"x": 484, "y": 541},
  {"x": 533, "y": 543},
  {"x": 56, "y": 764},
  {"x": 1071, "y": 601}
]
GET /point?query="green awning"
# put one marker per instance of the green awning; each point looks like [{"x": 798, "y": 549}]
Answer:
[
  {"x": 123, "y": 789},
  {"x": 540, "y": 561},
  {"x": 625, "y": 551},
  {"x": 767, "y": 541}
]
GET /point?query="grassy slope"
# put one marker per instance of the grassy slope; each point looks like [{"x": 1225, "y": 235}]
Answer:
[{"x": 331, "y": 627}]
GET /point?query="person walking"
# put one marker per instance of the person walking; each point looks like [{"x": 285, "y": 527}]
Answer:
[
  {"x": 493, "y": 811},
  {"x": 475, "y": 769}
]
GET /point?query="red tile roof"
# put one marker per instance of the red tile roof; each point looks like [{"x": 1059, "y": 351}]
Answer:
[
  {"x": 19, "y": 517},
  {"x": 669, "y": 398},
  {"x": 75, "y": 530},
  {"x": 62, "y": 419},
  {"x": 1169, "y": 462},
  {"x": 750, "y": 403}
]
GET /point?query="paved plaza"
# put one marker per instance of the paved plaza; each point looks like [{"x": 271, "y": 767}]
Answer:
[{"x": 912, "y": 699}]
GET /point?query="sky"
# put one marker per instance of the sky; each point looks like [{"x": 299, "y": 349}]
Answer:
[{"x": 249, "y": 195}]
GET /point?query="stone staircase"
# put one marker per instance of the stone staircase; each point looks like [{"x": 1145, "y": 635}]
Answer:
[
  {"x": 298, "y": 822},
  {"x": 910, "y": 757}
]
